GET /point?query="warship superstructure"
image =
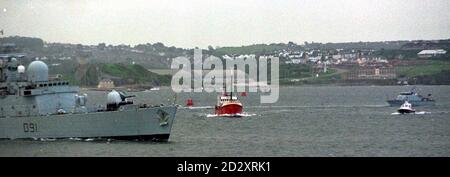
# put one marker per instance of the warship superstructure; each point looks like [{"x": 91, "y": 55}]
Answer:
[
  {"x": 32, "y": 106},
  {"x": 412, "y": 97}
]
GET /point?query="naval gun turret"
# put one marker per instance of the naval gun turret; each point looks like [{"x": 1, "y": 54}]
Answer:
[{"x": 116, "y": 99}]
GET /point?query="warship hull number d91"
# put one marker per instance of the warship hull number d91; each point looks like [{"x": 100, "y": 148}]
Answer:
[{"x": 30, "y": 127}]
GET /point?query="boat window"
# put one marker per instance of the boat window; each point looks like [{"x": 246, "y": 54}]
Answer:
[{"x": 401, "y": 97}]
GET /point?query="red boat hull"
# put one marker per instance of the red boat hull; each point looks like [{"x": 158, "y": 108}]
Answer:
[{"x": 229, "y": 109}]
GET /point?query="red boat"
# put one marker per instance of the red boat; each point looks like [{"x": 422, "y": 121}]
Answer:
[
  {"x": 228, "y": 106},
  {"x": 189, "y": 102}
]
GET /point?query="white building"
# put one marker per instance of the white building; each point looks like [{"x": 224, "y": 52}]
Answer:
[
  {"x": 431, "y": 53},
  {"x": 349, "y": 56},
  {"x": 315, "y": 59},
  {"x": 298, "y": 61},
  {"x": 337, "y": 56}
]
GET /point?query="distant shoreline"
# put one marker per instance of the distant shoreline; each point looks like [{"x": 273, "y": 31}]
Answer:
[
  {"x": 281, "y": 86},
  {"x": 130, "y": 88}
]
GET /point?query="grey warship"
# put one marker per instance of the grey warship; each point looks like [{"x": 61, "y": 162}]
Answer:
[
  {"x": 412, "y": 97},
  {"x": 34, "y": 107}
]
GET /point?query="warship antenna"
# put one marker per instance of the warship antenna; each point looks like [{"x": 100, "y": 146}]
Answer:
[{"x": 174, "y": 93}]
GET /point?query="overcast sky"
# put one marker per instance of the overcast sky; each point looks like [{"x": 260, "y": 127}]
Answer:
[{"x": 190, "y": 23}]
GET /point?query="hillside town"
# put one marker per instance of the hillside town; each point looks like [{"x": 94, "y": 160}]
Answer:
[
  {"x": 306, "y": 63},
  {"x": 362, "y": 63}
]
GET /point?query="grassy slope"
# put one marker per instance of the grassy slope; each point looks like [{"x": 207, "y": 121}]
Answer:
[
  {"x": 433, "y": 67},
  {"x": 137, "y": 73},
  {"x": 304, "y": 73}
]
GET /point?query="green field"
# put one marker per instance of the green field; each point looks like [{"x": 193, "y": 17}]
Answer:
[
  {"x": 250, "y": 49},
  {"x": 136, "y": 73},
  {"x": 291, "y": 74},
  {"x": 430, "y": 68}
]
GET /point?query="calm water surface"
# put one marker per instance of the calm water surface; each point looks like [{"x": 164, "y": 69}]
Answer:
[{"x": 306, "y": 121}]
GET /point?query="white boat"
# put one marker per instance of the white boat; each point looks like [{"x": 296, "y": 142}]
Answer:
[
  {"x": 406, "y": 108},
  {"x": 152, "y": 89}
]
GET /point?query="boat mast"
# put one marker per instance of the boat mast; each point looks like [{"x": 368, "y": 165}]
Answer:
[
  {"x": 231, "y": 92},
  {"x": 225, "y": 86}
]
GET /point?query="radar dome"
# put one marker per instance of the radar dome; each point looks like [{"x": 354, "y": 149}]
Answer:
[
  {"x": 113, "y": 97},
  {"x": 37, "y": 71},
  {"x": 21, "y": 69}
]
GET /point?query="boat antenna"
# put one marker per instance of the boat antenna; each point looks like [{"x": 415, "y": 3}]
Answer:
[
  {"x": 225, "y": 86},
  {"x": 232, "y": 84}
]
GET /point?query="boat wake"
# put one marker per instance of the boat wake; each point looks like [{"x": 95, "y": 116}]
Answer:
[
  {"x": 415, "y": 113},
  {"x": 71, "y": 139},
  {"x": 198, "y": 107},
  {"x": 321, "y": 106},
  {"x": 76, "y": 139},
  {"x": 232, "y": 115},
  {"x": 47, "y": 139},
  {"x": 293, "y": 107}
]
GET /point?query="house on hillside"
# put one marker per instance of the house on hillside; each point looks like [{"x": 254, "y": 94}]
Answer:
[
  {"x": 431, "y": 53},
  {"x": 106, "y": 84}
]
